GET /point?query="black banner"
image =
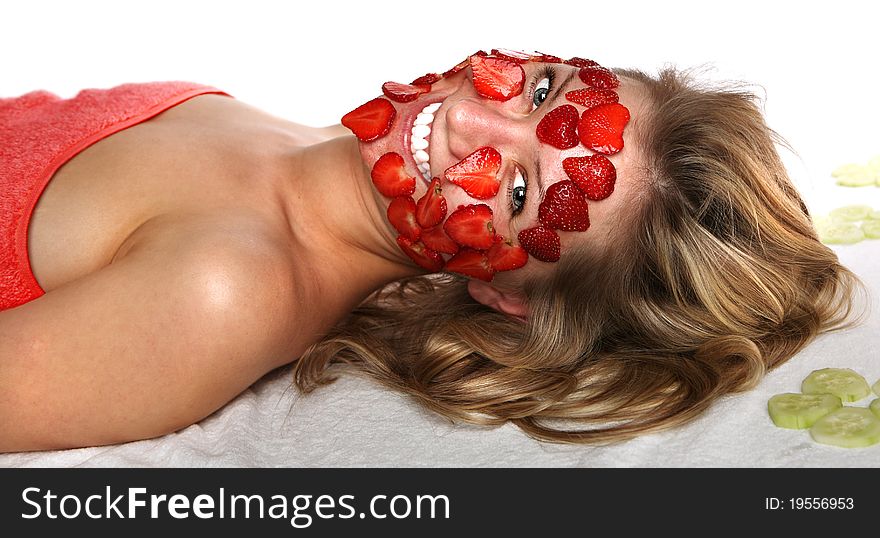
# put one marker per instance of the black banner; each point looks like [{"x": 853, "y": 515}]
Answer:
[{"x": 435, "y": 502}]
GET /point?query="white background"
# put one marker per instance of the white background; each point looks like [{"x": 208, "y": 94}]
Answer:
[{"x": 816, "y": 63}]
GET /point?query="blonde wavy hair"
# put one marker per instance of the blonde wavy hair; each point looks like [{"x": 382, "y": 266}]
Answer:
[{"x": 714, "y": 278}]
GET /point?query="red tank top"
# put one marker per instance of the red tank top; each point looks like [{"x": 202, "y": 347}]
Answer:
[{"x": 39, "y": 132}]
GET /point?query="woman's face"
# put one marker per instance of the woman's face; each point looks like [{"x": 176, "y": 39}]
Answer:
[{"x": 515, "y": 140}]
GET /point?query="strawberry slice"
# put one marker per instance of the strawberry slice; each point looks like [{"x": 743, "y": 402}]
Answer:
[
  {"x": 540, "y": 242},
  {"x": 559, "y": 127},
  {"x": 599, "y": 77},
  {"x": 504, "y": 256},
  {"x": 546, "y": 58},
  {"x": 564, "y": 208},
  {"x": 496, "y": 78},
  {"x": 371, "y": 120},
  {"x": 515, "y": 56},
  {"x": 594, "y": 175},
  {"x": 477, "y": 172},
  {"x": 422, "y": 255},
  {"x": 390, "y": 178},
  {"x": 402, "y": 215},
  {"x": 404, "y": 93},
  {"x": 590, "y": 97},
  {"x": 436, "y": 239},
  {"x": 601, "y": 127},
  {"x": 428, "y": 79},
  {"x": 581, "y": 62},
  {"x": 431, "y": 207},
  {"x": 471, "y": 226},
  {"x": 473, "y": 263}
]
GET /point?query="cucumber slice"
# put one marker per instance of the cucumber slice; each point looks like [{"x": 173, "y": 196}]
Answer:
[
  {"x": 847, "y": 427},
  {"x": 849, "y": 169},
  {"x": 871, "y": 228},
  {"x": 875, "y": 215},
  {"x": 851, "y": 213},
  {"x": 840, "y": 233},
  {"x": 876, "y": 387},
  {"x": 875, "y": 407},
  {"x": 798, "y": 411},
  {"x": 841, "y": 382},
  {"x": 856, "y": 181}
]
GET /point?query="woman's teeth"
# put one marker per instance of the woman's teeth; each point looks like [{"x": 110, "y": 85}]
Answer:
[{"x": 418, "y": 141}]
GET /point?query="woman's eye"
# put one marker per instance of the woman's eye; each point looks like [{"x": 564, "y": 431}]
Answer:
[
  {"x": 518, "y": 193},
  {"x": 541, "y": 91}
]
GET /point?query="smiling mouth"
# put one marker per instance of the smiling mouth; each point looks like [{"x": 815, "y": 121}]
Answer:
[{"x": 419, "y": 140}]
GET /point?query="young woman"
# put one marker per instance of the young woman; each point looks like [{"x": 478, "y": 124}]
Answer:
[{"x": 586, "y": 253}]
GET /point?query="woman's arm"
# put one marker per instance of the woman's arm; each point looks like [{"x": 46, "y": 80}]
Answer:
[{"x": 154, "y": 342}]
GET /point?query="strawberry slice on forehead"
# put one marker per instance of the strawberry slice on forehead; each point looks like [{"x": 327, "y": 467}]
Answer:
[
  {"x": 564, "y": 208},
  {"x": 601, "y": 127},
  {"x": 559, "y": 127}
]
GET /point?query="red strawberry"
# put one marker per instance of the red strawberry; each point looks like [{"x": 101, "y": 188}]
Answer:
[
  {"x": 402, "y": 215},
  {"x": 404, "y": 93},
  {"x": 601, "y": 127},
  {"x": 504, "y": 256},
  {"x": 473, "y": 263},
  {"x": 431, "y": 207},
  {"x": 371, "y": 120},
  {"x": 599, "y": 77},
  {"x": 590, "y": 97},
  {"x": 515, "y": 56},
  {"x": 540, "y": 242},
  {"x": 422, "y": 255},
  {"x": 390, "y": 178},
  {"x": 436, "y": 239},
  {"x": 581, "y": 62},
  {"x": 559, "y": 127},
  {"x": 594, "y": 175},
  {"x": 428, "y": 79},
  {"x": 476, "y": 173},
  {"x": 498, "y": 79},
  {"x": 564, "y": 208},
  {"x": 471, "y": 226},
  {"x": 546, "y": 58}
]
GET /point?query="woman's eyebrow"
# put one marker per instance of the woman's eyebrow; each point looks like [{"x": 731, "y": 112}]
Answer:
[{"x": 558, "y": 90}]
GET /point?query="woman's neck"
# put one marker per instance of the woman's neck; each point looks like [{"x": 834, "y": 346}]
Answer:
[{"x": 345, "y": 247}]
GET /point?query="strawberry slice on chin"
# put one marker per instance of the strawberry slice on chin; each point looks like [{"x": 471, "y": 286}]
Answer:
[
  {"x": 402, "y": 215},
  {"x": 423, "y": 256},
  {"x": 477, "y": 173},
  {"x": 390, "y": 177},
  {"x": 431, "y": 207},
  {"x": 371, "y": 120}
]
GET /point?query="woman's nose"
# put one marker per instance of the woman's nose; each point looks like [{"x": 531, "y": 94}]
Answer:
[{"x": 472, "y": 123}]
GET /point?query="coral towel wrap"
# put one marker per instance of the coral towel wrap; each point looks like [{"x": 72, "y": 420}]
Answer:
[{"x": 39, "y": 132}]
